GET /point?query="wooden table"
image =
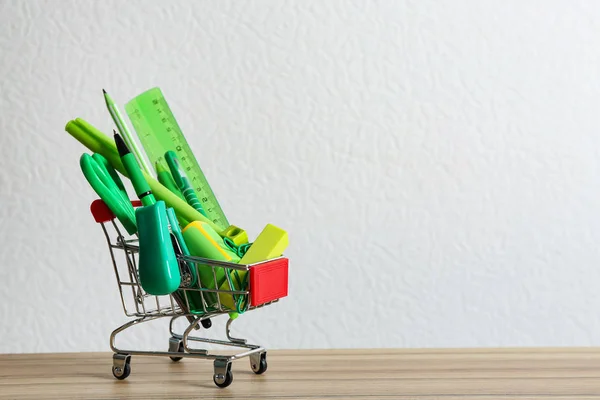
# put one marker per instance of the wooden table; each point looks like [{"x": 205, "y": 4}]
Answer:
[{"x": 557, "y": 374}]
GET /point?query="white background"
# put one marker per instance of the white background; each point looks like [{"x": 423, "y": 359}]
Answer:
[{"x": 436, "y": 164}]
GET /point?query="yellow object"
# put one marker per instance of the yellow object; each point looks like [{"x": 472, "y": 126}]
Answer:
[
  {"x": 204, "y": 241},
  {"x": 237, "y": 235},
  {"x": 271, "y": 243}
]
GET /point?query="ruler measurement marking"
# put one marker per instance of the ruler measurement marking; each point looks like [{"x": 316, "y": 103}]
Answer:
[{"x": 175, "y": 137}]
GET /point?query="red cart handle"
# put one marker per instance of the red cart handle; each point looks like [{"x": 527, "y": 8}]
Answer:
[{"x": 102, "y": 213}]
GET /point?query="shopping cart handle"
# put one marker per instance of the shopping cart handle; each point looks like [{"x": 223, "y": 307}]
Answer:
[
  {"x": 102, "y": 213},
  {"x": 268, "y": 281}
]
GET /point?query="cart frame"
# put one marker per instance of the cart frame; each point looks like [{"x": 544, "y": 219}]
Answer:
[{"x": 270, "y": 277}]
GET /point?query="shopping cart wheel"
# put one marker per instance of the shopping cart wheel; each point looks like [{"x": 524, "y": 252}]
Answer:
[
  {"x": 206, "y": 323},
  {"x": 223, "y": 375},
  {"x": 175, "y": 346},
  {"x": 121, "y": 368},
  {"x": 121, "y": 372},
  {"x": 258, "y": 363}
]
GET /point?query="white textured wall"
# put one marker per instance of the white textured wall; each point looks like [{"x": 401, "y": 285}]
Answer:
[{"x": 435, "y": 163}]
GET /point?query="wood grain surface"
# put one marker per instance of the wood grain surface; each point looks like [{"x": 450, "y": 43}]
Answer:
[{"x": 482, "y": 374}]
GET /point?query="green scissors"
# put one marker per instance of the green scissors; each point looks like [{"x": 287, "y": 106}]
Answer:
[{"x": 106, "y": 183}]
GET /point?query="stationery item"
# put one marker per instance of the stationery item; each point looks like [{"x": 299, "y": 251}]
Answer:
[
  {"x": 95, "y": 141},
  {"x": 122, "y": 127},
  {"x": 188, "y": 274},
  {"x": 182, "y": 182},
  {"x": 98, "y": 142},
  {"x": 178, "y": 294},
  {"x": 165, "y": 178},
  {"x": 271, "y": 243},
  {"x": 158, "y": 265},
  {"x": 203, "y": 241},
  {"x": 107, "y": 184},
  {"x": 194, "y": 299},
  {"x": 159, "y": 132},
  {"x": 135, "y": 174},
  {"x": 176, "y": 231},
  {"x": 237, "y": 235}
]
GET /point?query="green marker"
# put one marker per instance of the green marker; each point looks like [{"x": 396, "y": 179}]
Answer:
[
  {"x": 165, "y": 178},
  {"x": 157, "y": 263},
  {"x": 182, "y": 182},
  {"x": 135, "y": 174}
]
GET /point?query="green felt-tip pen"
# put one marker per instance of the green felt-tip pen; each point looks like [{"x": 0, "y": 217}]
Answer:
[
  {"x": 141, "y": 187},
  {"x": 183, "y": 182},
  {"x": 164, "y": 177}
]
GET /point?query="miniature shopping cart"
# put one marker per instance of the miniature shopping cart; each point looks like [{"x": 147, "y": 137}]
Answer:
[{"x": 266, "y": 283}]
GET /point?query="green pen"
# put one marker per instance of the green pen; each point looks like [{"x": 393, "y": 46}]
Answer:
[
  {"x": 141, "y": 187},
  {"x": 165, "y": 178},
  {"x": 182, "y": 182}
]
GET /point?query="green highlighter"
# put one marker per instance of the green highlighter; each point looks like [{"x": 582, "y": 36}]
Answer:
[
  {"x": 203, "y": 241},
  {"x": 158, "y": 266}
]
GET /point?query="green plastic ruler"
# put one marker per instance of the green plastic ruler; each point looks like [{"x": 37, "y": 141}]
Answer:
[{"x": 159, "y": 132}]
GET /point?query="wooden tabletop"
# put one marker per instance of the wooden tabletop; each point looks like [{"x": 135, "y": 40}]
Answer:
[{"x": 557, "y": 374}]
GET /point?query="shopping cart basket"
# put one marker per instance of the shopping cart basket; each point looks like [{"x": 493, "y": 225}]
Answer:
[{"x": 266, "y": 282}]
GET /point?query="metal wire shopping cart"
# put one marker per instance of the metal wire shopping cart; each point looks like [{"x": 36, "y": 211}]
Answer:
[{"x": 265, "y": 283}]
